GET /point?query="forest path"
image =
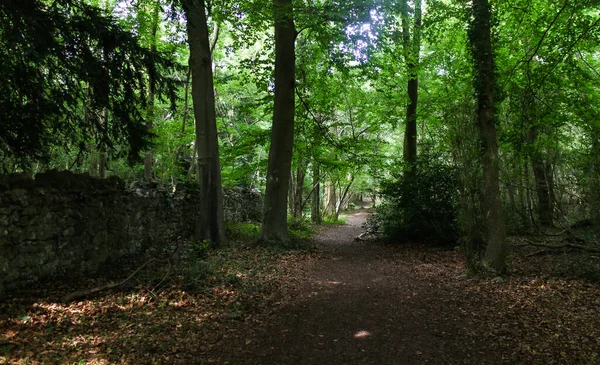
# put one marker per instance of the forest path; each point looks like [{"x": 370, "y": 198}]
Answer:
[{"x": 358, "y": 303}]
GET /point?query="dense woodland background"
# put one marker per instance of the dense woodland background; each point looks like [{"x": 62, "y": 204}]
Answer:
[{"x": 464, "y": 120}]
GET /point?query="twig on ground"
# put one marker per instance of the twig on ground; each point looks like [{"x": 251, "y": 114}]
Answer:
[
  {"x": 164, "y": 277},
  {"x": 85, "y": 293},
  {"x": 564, "y": 245}
]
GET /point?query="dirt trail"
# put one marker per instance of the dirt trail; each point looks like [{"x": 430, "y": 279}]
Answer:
[
  {"x": 359, "y": 303},
  {"x": 348, "y": 302}
]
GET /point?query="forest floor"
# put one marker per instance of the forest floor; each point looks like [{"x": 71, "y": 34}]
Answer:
[{"x": 343, "y": 302}]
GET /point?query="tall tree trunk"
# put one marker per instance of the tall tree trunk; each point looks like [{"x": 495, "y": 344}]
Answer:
[
  {"x": 344, "y": 197},
  {"x": 484, "y": 82},
  {"x": 299, "y": 190},
  {"x": 544, "y": 206},
  {"x": 208, "y": 172},
  {"x": 549, "y": 173},
  {"x": 102, "y": 150},
  {"x": 412, "y": 50},
  {"x": 331, "y": 198},
  {"x": 149, "y": 158},
  {"x": 522, "y": 190},
  {"x": 291, "y": 189},
  {"x": 93, "y": 161},
  {"x": 595, "y": 178},
  {"x": 186, "y": 99},
  {"x": 282, "y": 135},
  {"x": 315, "y": 211}
]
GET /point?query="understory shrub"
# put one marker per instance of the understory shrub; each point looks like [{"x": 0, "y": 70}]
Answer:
[{"x": 422, "y": 208}]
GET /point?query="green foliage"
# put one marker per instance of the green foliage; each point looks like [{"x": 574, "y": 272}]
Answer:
[
  {"x": 200, "y": 249},
  {"x": 423, "y": 208},
  {"x": 301, "y": 234},
  {"x": 242, "y": 232},
  {"x": 64, "y": 63},
  {"x": 327, "y": 220}
]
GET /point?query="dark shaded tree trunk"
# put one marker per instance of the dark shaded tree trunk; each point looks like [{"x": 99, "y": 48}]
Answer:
[
  {"x": 208, "y": 172},
  {"x": 102, "y": 156},
  {"x": 291, "y": 190},
  {"x": 544, "y": 206},
  {"x": 282, "y": 135},
  {"x": 551, "y": 190},
  {"x": 315, "y": 211},
  {"x": 148, "y": 157},
  {"x": 595, "y": 178},
  {"x": 484, "y": 82},
  {"x": 412, "y": 49},
  {"x": 299, "y": 190}
]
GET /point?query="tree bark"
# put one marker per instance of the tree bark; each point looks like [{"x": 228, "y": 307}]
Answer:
[
  {"x": 544, "y": 206},
  {"x": 344, "y": 197},
  {"x": 315, "y": 211},
  {"x": 595, "y": 177},
  {"x": 412, "y": 50},
  {"x": 291, "y": 189},
  {"x": 331, "y": 198},
  {"x": 208, "y": 171},
  {"x": 484, "y": 82},
  {"x": 299, "y": 190},
  {"x": 282, "y": 135},
  {"x": 148, "y": 157},
  {"x": 102, "y": 150}
]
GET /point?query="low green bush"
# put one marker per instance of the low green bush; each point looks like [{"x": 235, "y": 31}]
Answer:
[
  {"x": 423, "y": 208},
  {"x": 246, "y": 232}
]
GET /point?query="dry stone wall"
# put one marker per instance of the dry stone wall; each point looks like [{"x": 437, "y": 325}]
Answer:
[{"x": 62, "y": 222}]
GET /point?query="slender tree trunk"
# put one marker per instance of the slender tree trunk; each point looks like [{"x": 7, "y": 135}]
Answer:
[
  {"x": 344, "y": 197},
  {"x": 412, "y": 50},
  {"x": 331, "y": 198},
  {"x": 186, "y": 100},
  {"x": 291, "y": 189},
  {"x": 595, "y": 178},
  {"x": 185, "y": 170},
  {"x": 528, "y": 194},
  {"x": 149, "y": 158},
  {"x": 315, "y": 211},
  {"x": 208, "y": 171},
  {"x": 484, "y": 81},
  {"x": 93, "y": 162},
  {"x": 549, "y": 173},
  {"x": 282, "y": 135},
  {"x": 522, "y": 190},
  {"x": 299, "y": 190},
  {"x": 544, "y": 206},
  {"x": 102, "y": 150}
]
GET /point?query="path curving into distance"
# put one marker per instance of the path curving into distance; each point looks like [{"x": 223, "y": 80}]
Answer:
[{"x": 359, "y": 303}]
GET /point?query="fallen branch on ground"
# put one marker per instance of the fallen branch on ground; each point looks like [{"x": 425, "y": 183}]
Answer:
[
  {"x": 85, "y": 293},
  {"x": 558, "y": 247}
]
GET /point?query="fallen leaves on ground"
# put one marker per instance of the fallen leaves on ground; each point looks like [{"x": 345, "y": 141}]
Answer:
[
  {"x": 531, "y": 317},
  {"x": 170, "y": 325}
]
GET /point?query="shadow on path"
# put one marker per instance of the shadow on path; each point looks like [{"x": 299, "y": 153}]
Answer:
[{"x": 358, "y": 303}]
